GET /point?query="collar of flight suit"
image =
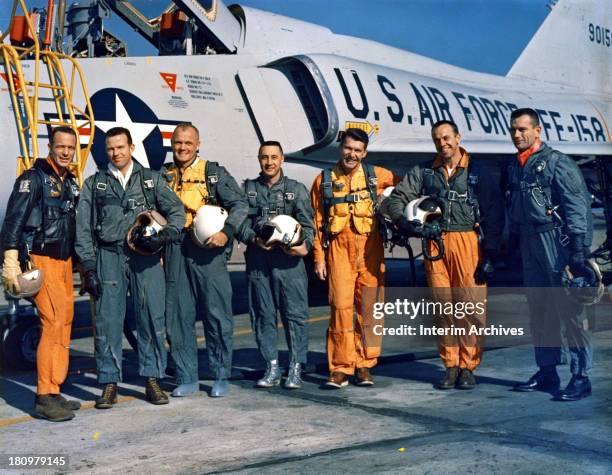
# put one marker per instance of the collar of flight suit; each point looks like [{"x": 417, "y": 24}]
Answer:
[
  {"x": 464, "y": 162},
  {"x": 47, "y": 165},
  {"x": 60, "y": 172},
  {"x": 193, "y": 164},
  {"x": 121, "y": 178},
  {"x": 261, "y": 179},
  {"x": 340, "y": 173},
  {"x": 523, "y": 156}
]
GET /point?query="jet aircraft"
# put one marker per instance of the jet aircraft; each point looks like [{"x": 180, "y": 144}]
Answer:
[{"x": 244, "y": 75}]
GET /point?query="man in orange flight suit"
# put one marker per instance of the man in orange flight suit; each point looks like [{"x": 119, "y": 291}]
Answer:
[
  {"x": 468, "y": 199},
  {"x": 41, "y": 215},
  {"x": 349, "y": 250}
]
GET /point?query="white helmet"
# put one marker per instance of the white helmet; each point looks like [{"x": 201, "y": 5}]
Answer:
[
  {"x": 208, "y": 220},
  {"x": 422, "y": 209},
  {"x": 281, "y": 229},
  {"x": 382, "y": 199}
]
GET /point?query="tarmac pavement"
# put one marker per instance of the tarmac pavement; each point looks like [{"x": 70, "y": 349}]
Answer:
[{"x": 401, "y": 425}]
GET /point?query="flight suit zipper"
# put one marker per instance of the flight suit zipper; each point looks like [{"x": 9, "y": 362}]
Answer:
[{"x": 450, "y": 203}]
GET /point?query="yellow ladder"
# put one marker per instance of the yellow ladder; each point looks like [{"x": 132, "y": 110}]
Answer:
[{"x": 56, "y": 87}]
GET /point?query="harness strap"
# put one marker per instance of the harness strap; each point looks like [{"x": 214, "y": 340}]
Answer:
[
  {"x": 211, "y": 175},
  {"x": 285, "y": 207}
]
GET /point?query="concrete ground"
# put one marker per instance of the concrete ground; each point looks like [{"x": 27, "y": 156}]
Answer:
[{"x": 401, "y": 425}]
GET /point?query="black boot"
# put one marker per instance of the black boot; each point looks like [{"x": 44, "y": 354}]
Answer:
[
  {"x": 578, "y": 388},
  {"x": 108, "y": 397},
  {"x": 450, "y": 378},
  {"x": 71, "y": 405},
  {"x": 546, "y": 379},
  {"x": 50, "y": 408},
  {"x": 466, "y": 380}
]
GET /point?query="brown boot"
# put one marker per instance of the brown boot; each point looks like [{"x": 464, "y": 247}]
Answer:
[
  {"x": 363, "y": 377},
  {"x": 49, "y": 408},
  {"x": 108, "y": 398},
  {"x": 154, "y": 393},
  {"x": 337, "y": 380}
]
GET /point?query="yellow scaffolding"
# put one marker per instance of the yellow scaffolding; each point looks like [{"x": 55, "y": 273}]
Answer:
[{"x": 57, "y": 87}]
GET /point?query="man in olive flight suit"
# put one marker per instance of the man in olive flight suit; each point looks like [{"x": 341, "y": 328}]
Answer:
[
  {"x": 197, "y": 277},
  {"x": 110, "y": 201},
  {"x": 469, "y": 201},
  {"x": 276, "y": 275}
]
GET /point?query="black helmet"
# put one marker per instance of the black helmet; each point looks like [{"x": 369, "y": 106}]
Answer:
[{"x": 147, "y": 223}]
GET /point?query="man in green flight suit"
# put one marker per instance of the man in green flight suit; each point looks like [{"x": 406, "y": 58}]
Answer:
[
  {"x": 196, "y": 274},
  {"x": 277, "y": 279},
  {"x": 110, "y": 202}
]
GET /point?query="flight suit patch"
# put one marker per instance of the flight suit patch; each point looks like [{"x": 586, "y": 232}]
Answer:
[
  {"x": 24, "y": 186},
  {"x": 56, "y": 190}
]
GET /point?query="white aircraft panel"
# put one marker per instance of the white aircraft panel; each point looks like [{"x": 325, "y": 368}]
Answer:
[{"x": 277, "y": 108}]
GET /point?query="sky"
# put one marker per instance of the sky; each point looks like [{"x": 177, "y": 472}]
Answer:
[{"x": 483, "y": 35}]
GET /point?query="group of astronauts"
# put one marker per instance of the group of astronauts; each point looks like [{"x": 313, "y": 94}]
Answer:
[{"x": 134, "y": 232}]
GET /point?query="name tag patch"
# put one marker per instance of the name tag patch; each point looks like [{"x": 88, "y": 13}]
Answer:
[{"x": 24, "y": 186}]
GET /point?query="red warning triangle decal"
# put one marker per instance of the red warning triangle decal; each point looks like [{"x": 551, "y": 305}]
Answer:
[
  {"x": 170, "y": 80},
  {"x": 5, "y": 77}
]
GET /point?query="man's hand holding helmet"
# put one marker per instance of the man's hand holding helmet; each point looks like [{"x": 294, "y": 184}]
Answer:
[
  {"x": 431, "y": 231},
  {"x": 208, "y": 226},
  {"x": 260, "y": 243},
  {"x": 299, "y": 250},
  {"x": 219, "y": 239},
  {"x": 11, "y": 270},
  {"x": 577, "y": 264},
  {"x": 151, "y": 243},
  {"x": 410, "y": 227}
]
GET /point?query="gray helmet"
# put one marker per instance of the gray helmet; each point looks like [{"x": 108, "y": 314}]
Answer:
[
  {"x": 30, "y": 283},
  {"x": 584, "y": 290}
]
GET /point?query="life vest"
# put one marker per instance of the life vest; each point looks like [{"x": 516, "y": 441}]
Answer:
[
  {"x": 349, "y": 200},
  {"x": 195, "y": 186}
]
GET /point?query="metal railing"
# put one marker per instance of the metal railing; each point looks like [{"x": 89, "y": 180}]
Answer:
[{"x": 49, "y": 83}]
